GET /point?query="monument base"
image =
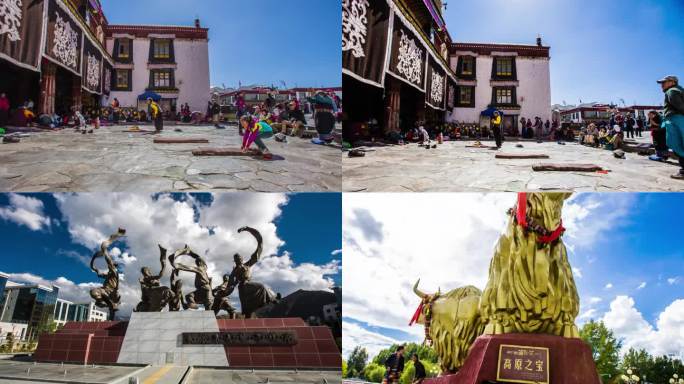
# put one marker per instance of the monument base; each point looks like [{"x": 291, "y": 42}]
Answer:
[
  {"x": 569, "y": 360},
  {"x": 158, "y": 338}
]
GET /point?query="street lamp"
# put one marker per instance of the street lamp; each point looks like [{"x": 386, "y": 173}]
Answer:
[
  {"x": 676, "y": 379},
  {"x": 630, "y": 377}
]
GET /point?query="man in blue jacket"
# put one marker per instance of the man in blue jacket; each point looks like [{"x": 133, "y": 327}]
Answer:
[{"x": 673, "y": 119}]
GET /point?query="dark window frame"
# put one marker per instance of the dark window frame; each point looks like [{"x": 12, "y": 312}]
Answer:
[
  {"x": 154, "y": 59},
  {"x": 514, "y": 71},
  {"x": 514, "y": 97},
  {"x": 172, "y": 79},
  {"x": 458, "y": 103},
  {"x": 459, "y": 68},
  {"x": 117, "y": 44},
  {"x": 115, "y": 80}
]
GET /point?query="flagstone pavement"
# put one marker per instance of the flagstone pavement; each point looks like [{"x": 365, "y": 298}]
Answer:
[
  {"x": 452, "y": 167},
  {"x": 113, "y": 160}
]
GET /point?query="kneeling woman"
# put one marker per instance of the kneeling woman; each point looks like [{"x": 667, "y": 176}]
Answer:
[{"x": 255, "y": 132}]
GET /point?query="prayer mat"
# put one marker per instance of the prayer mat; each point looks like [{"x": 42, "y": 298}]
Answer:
[
  {"x": 549, "y": 167},
  {"x": 179, "y": 140},
  {"x": 521, "y": 156}
]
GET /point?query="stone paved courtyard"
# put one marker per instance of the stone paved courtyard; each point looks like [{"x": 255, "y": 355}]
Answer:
[
  {"x": 453, "y": 167},
  {"x": 112, "y": 160}
]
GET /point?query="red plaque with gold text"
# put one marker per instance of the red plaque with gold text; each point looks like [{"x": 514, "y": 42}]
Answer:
[{"x": 523, "y": 364}]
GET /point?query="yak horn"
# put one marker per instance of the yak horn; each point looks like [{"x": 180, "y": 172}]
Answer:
[{"x": 417, "y": 291}]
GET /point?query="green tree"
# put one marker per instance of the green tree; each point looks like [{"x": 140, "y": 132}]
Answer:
[
  {"x": 605, "y": 348},
  {"x": 425, "y": 353},
  {"x": 374, "y": 373},
  {"x": 357, "y": 361},
  {"x": 640, "y": 360},
  {"x": 344, "y": 368}
]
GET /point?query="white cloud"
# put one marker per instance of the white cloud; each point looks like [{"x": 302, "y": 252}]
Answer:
[
  {"x": 577, "y": 272},
  {"x": 605, "y": 212},
  {"x": 628, "y": 323},
  {"x": 673, "y": 280},
  {"x": 336, "y": 252},
  {"x": 595, "y": 300},
  {"x": 642, "y": 285},
  {"x": 354, "y": 335},
  {"x": 588, "y": 314},
  {"x": 447, "y": 240},
  {"x": 210, "y": 229},
  {"x": 609, "y": 286},
  {"x": 68, "y": 290},
  {"x": 26, "y": 211}
]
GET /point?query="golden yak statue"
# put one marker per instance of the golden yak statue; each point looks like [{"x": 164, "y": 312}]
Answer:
[{"x": 530, "y": 287}]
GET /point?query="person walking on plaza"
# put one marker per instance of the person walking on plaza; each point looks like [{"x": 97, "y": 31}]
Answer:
[
  {"x": 629, "y": 126},
  {"x": 673, "y": 119},
  {"x": 4, "y": 110},
  {"x": 655, "y": 122},
  {"x": 538, "y": 128},
  {"x": 155, "y": 112},
  {"x": 215, "y": 113},
  {"x": 419, "y": 368},
  {"x": 394, "y": 366},
  {"x": 496, "y": 128},
  {"x": 639, "y": 125}
]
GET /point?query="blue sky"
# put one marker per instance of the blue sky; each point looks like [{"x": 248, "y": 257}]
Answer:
[
  {"x": 603, "y": 50},
  {"x": 255, "y": 41},
  {"x": 50, "y": 238},
  {"x": 625, "y": 251}
]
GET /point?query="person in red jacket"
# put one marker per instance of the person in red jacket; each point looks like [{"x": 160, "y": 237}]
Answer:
[{"x": 4, "y": 109}]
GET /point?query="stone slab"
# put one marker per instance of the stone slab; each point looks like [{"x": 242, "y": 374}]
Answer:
[
  {"x": 521, "y": 156},
  {"x": 179, "y": 140},
  {"x": 549, "y": 167},
  {"x": 221, "y": 152},
  {"x": 155, "y": 338}
]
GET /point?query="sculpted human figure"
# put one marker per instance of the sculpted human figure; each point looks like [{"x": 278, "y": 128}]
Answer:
[
  {"x": 203, "y": 293},
  {"x": 176, "y": 301},
  {"x": 253, "y": 295},
  {"x": 154, "y": 297},
  {"x": 107, "y": 296},
  {"x": 221, "y": 294}
]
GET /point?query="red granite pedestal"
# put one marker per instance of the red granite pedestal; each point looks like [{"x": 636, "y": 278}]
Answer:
[
  {"x": 101, "y": 343},
  {"x": 570, "y": 360}
]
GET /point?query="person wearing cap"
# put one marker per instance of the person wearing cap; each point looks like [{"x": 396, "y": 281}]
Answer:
[
  {"x": 673, "y": 119},
  {"x": 155, "y": 112},
  {"x": 420, "y": 374}
]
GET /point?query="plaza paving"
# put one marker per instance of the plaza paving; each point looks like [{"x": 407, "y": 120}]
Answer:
[
  {"x": 113, "y": 160},
  {"x": 453, "y": 167},
  {"x": 23, "y": 372},
  {"x": 207, "y": 375},
  {"x": 27, "y": 372}
]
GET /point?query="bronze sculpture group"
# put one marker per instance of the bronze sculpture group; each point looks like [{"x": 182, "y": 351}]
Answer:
[
  {"x": 530, "y": 287},
  {"x": 155, "y": 297}
]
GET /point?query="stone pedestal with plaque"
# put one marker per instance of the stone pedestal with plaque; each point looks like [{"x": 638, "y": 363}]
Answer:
[
  {"x": 525, "y": 358},
  {"x": 195, "y": 338}
]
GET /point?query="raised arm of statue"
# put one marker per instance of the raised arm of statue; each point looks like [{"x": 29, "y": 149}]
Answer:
[
  {"x": 104, "y": 248},
  {"x": 92, "y": 265},
  {"x": 257, "y": 253},
  {"x": 182, "y": 267},
  {"x": 162, "y": 260}
]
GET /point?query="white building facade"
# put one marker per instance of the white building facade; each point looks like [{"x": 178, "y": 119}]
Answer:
[
  {"x": 66, "y": 311},
  {"x": 514, "y": 79},
  {"x": 172, "y": 61}
]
